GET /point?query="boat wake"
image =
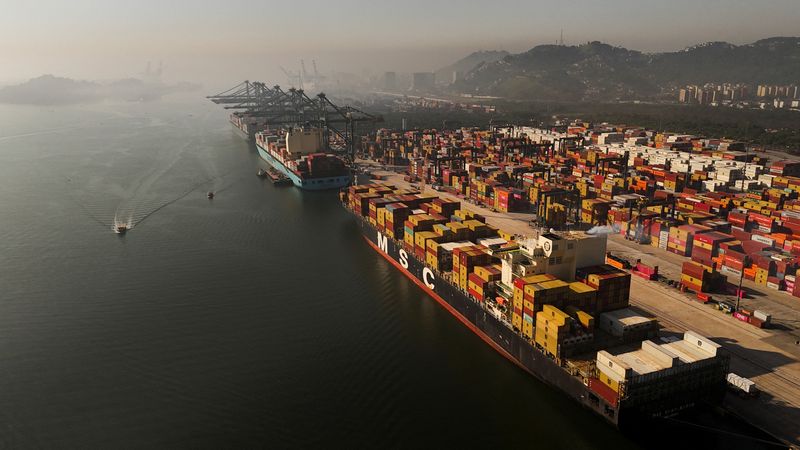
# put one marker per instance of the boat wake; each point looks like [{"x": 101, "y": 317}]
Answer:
[{"x": 121, "y": 226}]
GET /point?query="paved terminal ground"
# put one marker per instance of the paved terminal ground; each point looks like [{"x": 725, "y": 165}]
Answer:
[{"x": 769, "y": 357}]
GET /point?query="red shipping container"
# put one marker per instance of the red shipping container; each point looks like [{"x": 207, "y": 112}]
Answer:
[
  {"x": 740, "y": 234},
  {"x": 475, "y": 294},
  {"x": 704, "y": 261},
  {"x": 732, "y": 255},
  {"x": 733, "y": 264},
  {"x": 751, "y": 247},
  {"x": 692, "y": 269},
  {"x": 692, "y": 287},
  {"x": 606, "y": 393},
  {"x": 742, "y": 317}
]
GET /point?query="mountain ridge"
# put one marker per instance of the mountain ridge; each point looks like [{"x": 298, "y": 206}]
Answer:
[{"x": 599, "y": 71}]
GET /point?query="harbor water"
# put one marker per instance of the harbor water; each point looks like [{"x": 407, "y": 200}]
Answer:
[{"x": 257, "y": 318}]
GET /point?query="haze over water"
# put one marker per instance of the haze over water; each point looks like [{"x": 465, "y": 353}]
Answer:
[{"x": 258, "y": 318}]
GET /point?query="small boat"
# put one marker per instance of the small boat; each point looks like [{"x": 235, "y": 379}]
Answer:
[
  {"x": 278, "y": 179},
  {"x": 121, "y": 228},
  {"x": 210, "y": 195},
  {"x": 262, "y": 173}
]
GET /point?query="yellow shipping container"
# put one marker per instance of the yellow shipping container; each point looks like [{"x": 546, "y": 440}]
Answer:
[
  {"x": 607, "y": 381},
  {"x": 702, "y": 245},
  {"x": 505, "y": 235},
  {"x": 557, "y": 316},
  {"x": 459, "y": 229},
  {"x": 516, "y": 321},
  {"x": 417, "y": 218},
  {"x": 691, "y": 279},
  {"x": 432, "y": 260},
  {"x": 527, "y": 304},
  {"x": 487, "y": 273},
  {"x": 557, "y": 332},
  {"x": 474, "y": 224},
  {"x": 517, "y": 297},
  {"x": 463, "y": 214},
  {"x": 421, "y": 237},
  {"x": 548, "y": 343},
  {"x": 408, "y": 238},
  {"x": 475, "y": 287},
  {"x": 527, "y": 329},
  {"x": 381, "y": 216}
]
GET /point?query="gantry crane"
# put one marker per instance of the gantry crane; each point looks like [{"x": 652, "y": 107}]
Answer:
[{"x": 294, "y": 107}]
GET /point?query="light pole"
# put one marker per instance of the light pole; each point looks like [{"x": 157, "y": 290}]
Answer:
[{"x": 739, "y": 291}]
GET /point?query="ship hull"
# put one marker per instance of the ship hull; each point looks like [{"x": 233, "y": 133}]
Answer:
[
  {"x": 309, "y": 184},
  {"x": 243, "y": 134},
  {"x": 496, "y": 333}
]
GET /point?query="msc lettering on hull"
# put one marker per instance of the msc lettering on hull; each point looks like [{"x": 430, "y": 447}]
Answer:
[{"x": 427, "y": 274}]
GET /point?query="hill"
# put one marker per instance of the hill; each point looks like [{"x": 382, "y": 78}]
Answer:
[
  {"x": 470, "y": 62},
  {"x": 52, "y": 90},
  {"x": 600, "y": 72}
]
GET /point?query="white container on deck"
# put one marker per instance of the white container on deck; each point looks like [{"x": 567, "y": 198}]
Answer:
[{"x": 742, "y": 383}]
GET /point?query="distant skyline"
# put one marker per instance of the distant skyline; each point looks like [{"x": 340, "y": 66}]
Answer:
[{"x": 216, "y": 42}]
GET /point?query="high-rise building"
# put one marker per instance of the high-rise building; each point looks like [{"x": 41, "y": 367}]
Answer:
[
  {"x": 684, "y": 96},
  {"x": 422, "y": 81},
  {"x": 390, "y": 81}
]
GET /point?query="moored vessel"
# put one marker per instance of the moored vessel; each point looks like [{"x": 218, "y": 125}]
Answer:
[
  {"x": 298, "y": 154},
  {"x": 535, "y": 302}
]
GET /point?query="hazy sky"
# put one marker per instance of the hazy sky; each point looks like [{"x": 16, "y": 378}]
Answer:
[{"x": 220, "y": 41}]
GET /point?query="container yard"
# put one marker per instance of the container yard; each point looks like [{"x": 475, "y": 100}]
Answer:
[
  {"x": 735, "y": 213},
  {"x": 709, "y": 230}
]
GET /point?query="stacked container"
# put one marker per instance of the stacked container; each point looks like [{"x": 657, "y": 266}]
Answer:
[
  {"x": 696, "y": 278},
  {"x": 553, "y": 327},
  {"x": 582, "y": 296},
  {"x": 464, "y": 261},
  {"x": 681, "y": 238},
  {"x": 537, "y": 295},
  {"x": 705, "y": 247},
  {"x": 519, "y": 310},
  {"x": 613, "y": 286},
  {"x": 481, "y": 281}
]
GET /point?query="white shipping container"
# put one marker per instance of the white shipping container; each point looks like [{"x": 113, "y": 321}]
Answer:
[
  {"x": 762, "y": 239},
  {"x": 725, "y": 270},
  {"x": 791, "y": 214},
  {"x": 742, "y": 383},
  {"x": 766, "y": 179},
  {"x": 762, "y": 316}
]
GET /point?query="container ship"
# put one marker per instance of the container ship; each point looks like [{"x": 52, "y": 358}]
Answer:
[
  {"x": 548, "y": 304},
  {"x": 297, "y": 153},
  {"x": 247, "y": 125}
]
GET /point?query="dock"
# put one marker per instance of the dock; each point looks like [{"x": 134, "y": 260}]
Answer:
[{"x": 770, "y": 358}]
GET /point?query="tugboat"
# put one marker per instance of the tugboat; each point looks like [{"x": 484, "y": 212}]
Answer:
[
  {"x": 278, "y": 179},
  {"x": 121, "y": 228},
  {"x": 210, "y": 195}
]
